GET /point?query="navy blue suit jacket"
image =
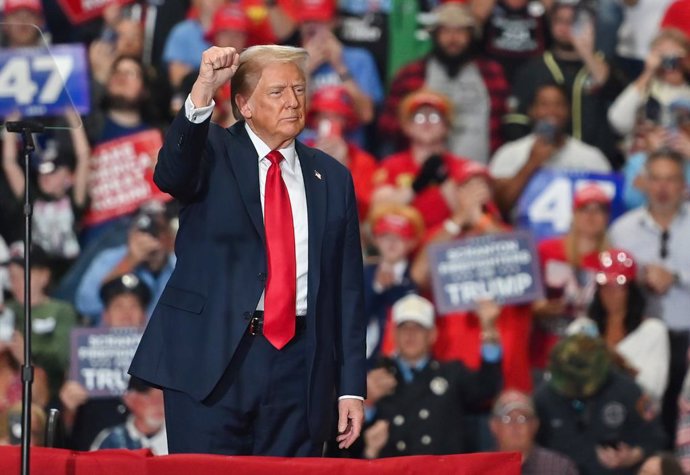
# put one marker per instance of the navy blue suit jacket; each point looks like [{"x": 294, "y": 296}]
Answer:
[{"x": 221, "y": 268}]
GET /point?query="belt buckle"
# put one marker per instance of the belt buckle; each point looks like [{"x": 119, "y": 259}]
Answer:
[{"x": 254, "y": 326}]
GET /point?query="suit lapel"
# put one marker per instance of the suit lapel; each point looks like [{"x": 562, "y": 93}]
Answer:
[
  {"x": 244, "y": 163},
  {"x": 315, "y": 187}
]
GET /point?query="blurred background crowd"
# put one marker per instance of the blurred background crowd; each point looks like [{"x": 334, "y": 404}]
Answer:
[{"x": 456, "y": 120}]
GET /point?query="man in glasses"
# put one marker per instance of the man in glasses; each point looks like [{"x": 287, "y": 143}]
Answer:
[
  {"x": 656, "y": 234},
  {"x": 418, "y": 175},
  {"x": 514, "y": 424}
]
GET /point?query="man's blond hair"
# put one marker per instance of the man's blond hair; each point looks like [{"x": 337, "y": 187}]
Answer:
[{"x": 253, "y": 60}]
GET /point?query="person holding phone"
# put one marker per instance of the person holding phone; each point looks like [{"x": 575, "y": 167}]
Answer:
[{"x": 548, "y": 146}]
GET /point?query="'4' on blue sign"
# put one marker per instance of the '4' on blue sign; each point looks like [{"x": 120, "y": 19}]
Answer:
[
  {"x": 546, "y": 205},
  {"x": 39, "y": 82}
]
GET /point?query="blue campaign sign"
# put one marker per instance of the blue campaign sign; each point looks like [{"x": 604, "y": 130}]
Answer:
[
  {"x": 546, "y": 204},
  {"x": 41, "y": 82},
  {"x": 503, "y": 267},
  {"x": 100, "y": 358}
]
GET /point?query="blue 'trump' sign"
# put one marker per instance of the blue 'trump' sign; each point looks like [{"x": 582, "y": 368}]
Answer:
[{"x": 503, "y": 267}]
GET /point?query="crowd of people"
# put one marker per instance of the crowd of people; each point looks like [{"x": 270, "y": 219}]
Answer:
[{"x": 456, "y": 119}]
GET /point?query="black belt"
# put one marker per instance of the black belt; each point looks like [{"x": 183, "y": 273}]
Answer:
[{"x": 256, "y": 323}]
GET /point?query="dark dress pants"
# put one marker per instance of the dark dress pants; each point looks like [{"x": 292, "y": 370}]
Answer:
[{"x": 257, "y": 408}]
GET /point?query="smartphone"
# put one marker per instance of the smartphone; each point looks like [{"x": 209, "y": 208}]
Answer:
[
  {"x": 670, "y": 63},
  {"x": 546, "y": 130}
]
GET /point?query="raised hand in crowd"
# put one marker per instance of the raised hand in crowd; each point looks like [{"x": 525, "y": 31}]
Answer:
[
  {"x": 433, "y": 172},
  {"x": 488, "y": 311},
  {"x": 375, "y": 438},
  {"x": 385, "y": 277},
  {"x": 141, "y": 245},
  {"x": 380, "y": 383},
  {"x": 335, "y": 146},
  {"x": 583, "y": 36}
]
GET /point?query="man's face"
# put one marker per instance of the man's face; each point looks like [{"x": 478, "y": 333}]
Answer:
[
  {"x": 40, "y": 278},
  {"x": 561, "y": 27},
  {"x": 414, "y": 341},
  {"x": 515, "y": 431},
  {"x": 148, "y": 408},
  {"x": 57, "y": 183},
  {"x": 126, "y": 81},
  {"x": 426, "y": 125},
  {"x": 125, "y": 310},
  {"x": 276, "y": 109},
  {"x": 550, "y": 105},
  {"x": 665, "y": 185},
  {"x": 453, "y": 40}
]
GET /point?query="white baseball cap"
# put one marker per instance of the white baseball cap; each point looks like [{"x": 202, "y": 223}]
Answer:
[{"x": 413, "y": 308}]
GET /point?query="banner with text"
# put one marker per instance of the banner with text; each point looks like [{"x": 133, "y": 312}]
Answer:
[
  {"x": 40, "y": 82},
  {"x": 79, "y": 11},
  {"x": 101, "y": 357},
  {"x": 503, "y": 267},
  {"x": 121, "y": 176},
  {"x": 546, "y": 205}
]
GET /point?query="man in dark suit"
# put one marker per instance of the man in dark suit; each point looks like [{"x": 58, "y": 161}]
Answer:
[{"x": 261, "y": 326}]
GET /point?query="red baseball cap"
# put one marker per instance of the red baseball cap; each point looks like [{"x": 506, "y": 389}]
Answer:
[
  {"x": 230, "y": 17},
  {"x": 317, "y": 10},
  {"x": 615, "y": 266},
  {"x": 401, "y": 220},
  {"x": 424, "y": 97},
  {"x": 334, "y": 99},
  {"x": 591, "y": 193},
  {"x": 463, "y": 170},
  {"x": 12, "y": 6}
]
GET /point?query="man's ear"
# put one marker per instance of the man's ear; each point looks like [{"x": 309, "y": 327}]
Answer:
[{"x": 243, "y": 106}]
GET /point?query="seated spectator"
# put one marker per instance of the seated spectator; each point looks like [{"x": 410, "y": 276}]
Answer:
[
  {"x": 460, "y": 333},
  {"x": 145, "y": 425},
  {"x": 548, "y": 146},
  {"x": 656, "y": 236},
  {"x": 568, "y": 264},
  {"x": 330, "y": 63},
  {"x": 423, "y": 413},
  {"x": 186, "y": 42},
  {"x": 11, "y": 425},
  {"x": 125, "y": 299},
  {"x": 514, "y": 424},
  {"x": 475, "y": 86},
  {"x": 148, "y": 254},
  {"x": 584, "y": 75},
  {"x": 661, "y": 463},
  {"x": 663, "y": 81},
  {"x": 52, "y": 320},
  {"x": 653, "y": 136},
  {"x": 332, "y": 120},
  {"x": 60, "y": 197},
  {"x": 21, "y": 22},
  {"x": 396, "y": 231},
  {"x": 418, "y": 175},
  {"x": 591, "y": 413},
  {"x": 513, "y": 31},
  {"x": 618, "y": 308}
]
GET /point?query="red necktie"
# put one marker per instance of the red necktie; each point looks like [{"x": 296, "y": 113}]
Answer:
[{"x": 281, "y": 286}]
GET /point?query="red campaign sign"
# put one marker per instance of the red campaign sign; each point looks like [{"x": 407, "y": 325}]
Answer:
[
  {"x": 121, "y": 177},
  {"x": 79, "y": 11}
]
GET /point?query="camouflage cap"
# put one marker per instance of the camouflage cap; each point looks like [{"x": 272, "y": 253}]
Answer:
[{"x": 579, "y": 365}]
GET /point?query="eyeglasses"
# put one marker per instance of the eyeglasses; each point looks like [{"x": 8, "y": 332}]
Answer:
[
  {"x": 663, "y": 250},
  {"x": 519, "y": 419},
  {"x": 430, "y": 117}
]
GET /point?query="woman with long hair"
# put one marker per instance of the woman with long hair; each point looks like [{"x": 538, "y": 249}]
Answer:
[{"x": 618, "y": 309}]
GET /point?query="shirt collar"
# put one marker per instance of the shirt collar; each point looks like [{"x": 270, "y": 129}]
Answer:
[
  {"x": 262, "y": 149},
  {"x": 647, "y": 220}
]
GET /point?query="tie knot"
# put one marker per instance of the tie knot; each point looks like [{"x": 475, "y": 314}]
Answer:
[{"x": 275, "y": 157}]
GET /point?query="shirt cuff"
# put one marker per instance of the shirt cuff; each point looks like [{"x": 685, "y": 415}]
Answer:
[
  {"x": 197, "y": 115},
  {"x": 347, "y": 396},
  {"x": 491, "y": 352}
]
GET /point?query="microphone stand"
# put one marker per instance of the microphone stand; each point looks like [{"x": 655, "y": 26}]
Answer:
[{"x": 25, "y": 129}]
